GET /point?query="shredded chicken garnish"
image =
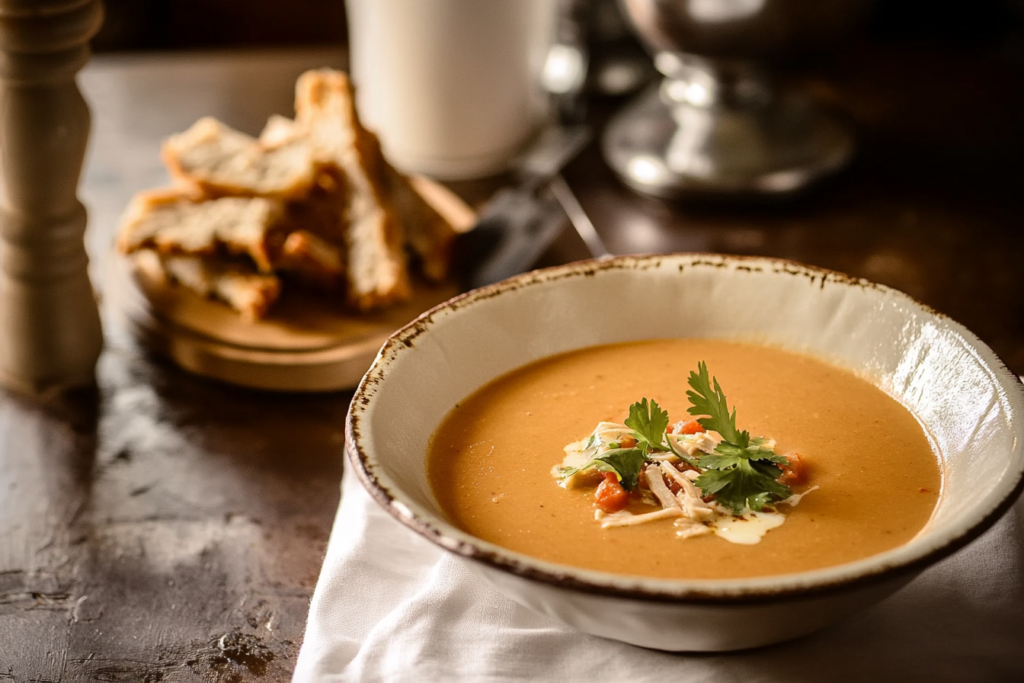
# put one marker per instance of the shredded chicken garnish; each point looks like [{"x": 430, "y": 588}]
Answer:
[
  {"x": 688, "y": 528},
  {"x": 663, "y": 472},
  {"x": 629, "y": 519},
  {"x": 691, "y": 444},
  {"x": 797, "y": 497},
  {"x": 689, "y": 497},
  {"x": 658, "y": 488}
]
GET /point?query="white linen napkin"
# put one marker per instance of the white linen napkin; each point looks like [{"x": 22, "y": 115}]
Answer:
[{"x": 391, "y": 606}]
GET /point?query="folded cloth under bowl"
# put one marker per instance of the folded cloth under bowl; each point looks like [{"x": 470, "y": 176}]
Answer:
[{"x": 391, "y": 606}]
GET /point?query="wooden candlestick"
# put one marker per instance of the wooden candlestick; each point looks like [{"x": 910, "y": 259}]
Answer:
[{"x": 50, "y": 335}]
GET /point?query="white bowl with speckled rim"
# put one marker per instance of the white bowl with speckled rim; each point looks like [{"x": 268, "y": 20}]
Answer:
[{"x": 970, "y": 403}]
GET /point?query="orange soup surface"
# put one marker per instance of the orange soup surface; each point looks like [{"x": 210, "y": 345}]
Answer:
[{"x": 877, "y": 474}]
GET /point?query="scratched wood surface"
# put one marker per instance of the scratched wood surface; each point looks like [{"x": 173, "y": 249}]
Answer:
[
  {"x": 170, "y": 528},
  {"x": 163, "y": 527}
]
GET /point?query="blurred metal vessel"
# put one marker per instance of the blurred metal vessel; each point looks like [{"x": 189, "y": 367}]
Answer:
[{"x": 717, "y": 124}]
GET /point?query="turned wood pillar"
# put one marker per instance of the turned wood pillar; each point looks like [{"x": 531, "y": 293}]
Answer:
[{"x": 50, "y": 335}]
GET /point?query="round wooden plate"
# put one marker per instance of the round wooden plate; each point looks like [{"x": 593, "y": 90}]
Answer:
[{"x": 305, "y": 344}]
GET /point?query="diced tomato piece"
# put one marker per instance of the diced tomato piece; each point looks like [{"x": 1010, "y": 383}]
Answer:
[
  {"x": 692, "y": 427},
  {"x": 796, "y": 472},
  {"x": 610, "y": 496}
]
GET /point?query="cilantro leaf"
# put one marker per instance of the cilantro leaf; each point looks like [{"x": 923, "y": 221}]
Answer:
[
  {"x": 712, "y": 402},
  {"x": 625, "y": 463},
  {"x": 769, "y": 456},
  {"x": 728, "y": 455},
  {"x": 648, "y": 424},
  {"x": 762, "y": 451},
  {"x": 679, "y": 454},
  {"x": 746, "y": 484},
  {"x": 741, "y": 472}
]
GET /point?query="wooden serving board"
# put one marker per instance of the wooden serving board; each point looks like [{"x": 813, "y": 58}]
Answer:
[{"x": 306, "y": 343}]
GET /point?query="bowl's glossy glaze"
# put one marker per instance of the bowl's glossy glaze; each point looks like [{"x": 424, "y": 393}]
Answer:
[{"x": 970, "y": 404}]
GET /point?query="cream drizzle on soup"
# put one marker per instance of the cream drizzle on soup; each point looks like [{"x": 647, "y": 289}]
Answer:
[{"x": 877, "y": 474}]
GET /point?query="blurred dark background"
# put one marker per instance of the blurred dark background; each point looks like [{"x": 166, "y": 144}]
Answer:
[
  {"x": 199, "y": 24},
  {"x": 194, "y": 24}
]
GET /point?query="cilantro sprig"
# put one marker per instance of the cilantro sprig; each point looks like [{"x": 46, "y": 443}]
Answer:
[
  {"x": 647, "y": 423},
  {"x": 739, "y": 473},
  {"x": 711, "y": 404},
  {"x": 625, "y": 463}
]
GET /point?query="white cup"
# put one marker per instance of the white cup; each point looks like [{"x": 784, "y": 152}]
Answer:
[{"x": 452, "y": 87}]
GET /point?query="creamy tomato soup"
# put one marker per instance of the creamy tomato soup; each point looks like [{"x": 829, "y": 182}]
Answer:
[{"x": 877, "y": 475}]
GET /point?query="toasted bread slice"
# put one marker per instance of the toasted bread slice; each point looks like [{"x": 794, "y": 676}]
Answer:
[
  {"x": 249, "y": 293},
  {"x": 430, "y": 221},
  {"x": 219, "y": 161},
  {"x": 314, "y": 260},
  {"x": 376, "y": 265},
  {"x": 312, "y": 199},
  {"x": 172, "y": 222},
  {"x": 279, "y": 131},
  {"x": 429, "y": 230}
]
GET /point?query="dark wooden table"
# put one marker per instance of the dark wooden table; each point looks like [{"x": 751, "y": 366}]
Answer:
[{"x": 169, "y": 528}]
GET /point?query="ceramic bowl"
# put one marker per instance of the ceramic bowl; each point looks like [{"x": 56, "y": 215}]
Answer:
[{"x": 972, "y": 406}]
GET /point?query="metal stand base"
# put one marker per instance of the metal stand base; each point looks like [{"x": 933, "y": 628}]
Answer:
[{"x": 711, "y": 129}]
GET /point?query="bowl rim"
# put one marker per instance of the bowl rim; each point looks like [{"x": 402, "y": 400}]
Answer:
[{"x": 885, "y": 567}]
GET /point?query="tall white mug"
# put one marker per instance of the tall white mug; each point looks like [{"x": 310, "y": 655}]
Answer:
[{"x": 452, "y": 87}]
